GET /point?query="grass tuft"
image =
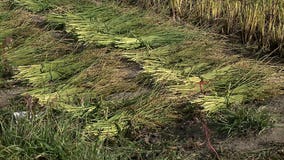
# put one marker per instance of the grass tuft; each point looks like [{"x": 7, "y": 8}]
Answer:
[{"x": 241, "y": 121}]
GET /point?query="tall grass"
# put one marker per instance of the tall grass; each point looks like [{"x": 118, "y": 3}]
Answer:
[{"x": 258, "y": 22}]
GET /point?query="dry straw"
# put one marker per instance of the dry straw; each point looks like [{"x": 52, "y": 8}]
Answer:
[{"x": 258, "y": 22}]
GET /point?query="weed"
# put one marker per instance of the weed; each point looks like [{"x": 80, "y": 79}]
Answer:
[{"x": 241, "y": 121}]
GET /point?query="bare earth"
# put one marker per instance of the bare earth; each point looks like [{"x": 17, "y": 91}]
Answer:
[{"x": 8, "y": 94}]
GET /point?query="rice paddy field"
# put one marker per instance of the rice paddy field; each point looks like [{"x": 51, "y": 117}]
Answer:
[
  {"x": 139, "y": 80},
  {"x": 258, "y": 22}
]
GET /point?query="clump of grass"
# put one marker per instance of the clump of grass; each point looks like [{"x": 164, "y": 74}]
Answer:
[{"x": 241, "y": 120}]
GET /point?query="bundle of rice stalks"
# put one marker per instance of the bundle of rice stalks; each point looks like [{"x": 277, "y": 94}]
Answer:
[
  {"x": 31, "y": 5},
  {"x": 109, "y": 27},
  {"x": 107, "y": 128}
]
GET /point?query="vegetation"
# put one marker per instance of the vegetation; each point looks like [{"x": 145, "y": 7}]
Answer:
[
  {"x": 62, "y": 137},
  {"x": 258, "y": 22},
  {"x": 109, "y": 81},
  {"x": 241, "y": 120}
]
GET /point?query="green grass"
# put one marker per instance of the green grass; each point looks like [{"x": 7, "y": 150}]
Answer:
[
  {"x": 241, "y": 121},
  {"x": 60, "y": 138},
  {"x": 57, "y": 134}
]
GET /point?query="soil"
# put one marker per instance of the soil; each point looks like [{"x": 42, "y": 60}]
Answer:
[{"x": 8, "y": 94}]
